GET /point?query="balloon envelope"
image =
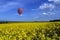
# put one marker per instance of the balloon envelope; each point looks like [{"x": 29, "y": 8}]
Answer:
[{"x": 20, "y": 10}]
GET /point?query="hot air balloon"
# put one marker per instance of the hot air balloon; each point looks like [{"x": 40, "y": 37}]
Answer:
[{"x": 20, "y": 10}]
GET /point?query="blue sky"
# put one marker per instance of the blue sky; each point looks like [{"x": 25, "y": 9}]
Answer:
[{"x": 33, "y": 10}]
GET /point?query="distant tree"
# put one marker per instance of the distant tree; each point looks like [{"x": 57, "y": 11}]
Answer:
[{"x": 54, "y": 20}]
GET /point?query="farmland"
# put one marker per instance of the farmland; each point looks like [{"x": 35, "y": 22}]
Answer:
[{"x": 30, "y": 31}]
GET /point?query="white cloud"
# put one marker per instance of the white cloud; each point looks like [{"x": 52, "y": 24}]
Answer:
[
  {"x": 8, "y": 6},
  {"x": 36, "y": 17},
  {"x": 47, "y": 6},
  {"x": 35, "y": 9},
  {"x": 55, "y": 1},
  {"x": 51, "y": 13},
  {"x": 44, "y": 13},
  {"x": 21, "y": 15},
  {"x": 48, "y": 13},
  {"x": 18, "y": 14}
]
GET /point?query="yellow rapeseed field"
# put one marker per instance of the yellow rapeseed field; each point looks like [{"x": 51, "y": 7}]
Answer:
[{"x": 30, "y": 31}]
